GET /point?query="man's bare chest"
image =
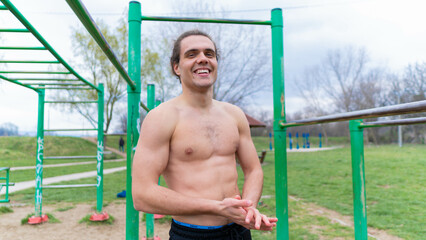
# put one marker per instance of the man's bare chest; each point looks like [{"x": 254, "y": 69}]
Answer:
[{"x": 204, "y": 137}]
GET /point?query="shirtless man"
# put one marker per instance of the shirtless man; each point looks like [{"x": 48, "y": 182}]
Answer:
[{"x": 193, "y": 140}]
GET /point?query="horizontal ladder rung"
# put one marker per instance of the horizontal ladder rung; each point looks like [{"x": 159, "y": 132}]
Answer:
[
  {"x": 10, "y": 184},
  {"x": 24, "y": 30},
  {"x": 23, "y": 48},
  {"x": 27, "y": 61},
  {"x": 69, "y": 186},
  {"x": 71, "y": 102},
  {"x": 69, "y": 157},
  {"x": 65, "y": 129},
  {"x": 35, "y": 72},
  {"x": 45, "y": 79}
]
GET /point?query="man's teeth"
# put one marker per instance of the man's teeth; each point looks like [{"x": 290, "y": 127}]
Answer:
[{"x": 202, "y": 71}]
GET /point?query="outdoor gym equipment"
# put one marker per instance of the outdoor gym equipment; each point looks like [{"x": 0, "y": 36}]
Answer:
[
  {"x": 290, "y": 141},
  {"x": 320, "y": 144},
  {"x": 39, "y": 85},
  {"x": 135, "y": 19},
  {"x": 280, "y": 125},
  {"x": 6, "y": 184}
]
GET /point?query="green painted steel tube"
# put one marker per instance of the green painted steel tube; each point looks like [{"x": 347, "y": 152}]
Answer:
[
  {"x": 39, "y": 157},
  {"x": 3, "y": 8},
  {"x": 133, "y": 116},
  {"x": 149, "y": 219},
  {"x": 85, "y": 18},
  {"x": 157, "y": 102},
  {"x": 46, "y": 79},
  {"x": 205, "y": 20},
  {"x": 28, "y": 61},
  {"x": 100, "y": 151},
  {"x": 71, "y": 101},
  {"x": 68, "y": 129},
  {"x": 358, "y": 180},
  {"x": 15, "y": 30},
  {"x": 22, "y": 48},
  {"x": 58, "y": 84},
  {"x": 37, "y": 35},
  {"x": 279, "y": 132},
  {"x": 66, "y": 88},
  {"x": 35, "y": 72},
  {"x": 18, "y": 83}
]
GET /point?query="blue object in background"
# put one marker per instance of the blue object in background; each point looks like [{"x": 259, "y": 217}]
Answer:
[
  {"x": 121, "y": 194},
  {"x": 319, "y": 135},
  {"x": 270, "y": 141},
  {"x": 304, "y": 140},
  {"x": 297, "y": 140},
  {"x": 308, "y": 144},
  {"x": 290, "y": 141}
]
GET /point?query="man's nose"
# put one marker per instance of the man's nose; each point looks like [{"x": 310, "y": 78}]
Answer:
[{"x": 202, "y": 59}]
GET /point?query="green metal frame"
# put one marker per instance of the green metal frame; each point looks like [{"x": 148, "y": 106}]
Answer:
[
  {"x": 6, "y": 184},
  {"x": 39, "y": 86}
]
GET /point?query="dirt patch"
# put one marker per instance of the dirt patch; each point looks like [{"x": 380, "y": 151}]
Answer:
[
  {"x": 336, "y": 217},
  {"x": 69, "y": 228}
]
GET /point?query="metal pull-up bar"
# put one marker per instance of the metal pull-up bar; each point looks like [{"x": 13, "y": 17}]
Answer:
[
  {"x": 85, "y": 18},
  {"x": 413, "y": 107},
  {"x": 407, "y": 121},
  {"x": 201, "y": 20}
]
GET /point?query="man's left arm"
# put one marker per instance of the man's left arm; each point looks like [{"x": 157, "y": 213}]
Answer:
[{"x": 253, "y": 174}]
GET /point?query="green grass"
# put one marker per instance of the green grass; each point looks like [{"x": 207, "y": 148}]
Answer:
[
  {"x": 395, "y": 185},
  {"x": 64, "y": 209},
  {"x": 4, "y": 210},
  {"x": 21, "y": 151},
  {"x": 52, "y": 218},
  {"x": 87, "y": 221},
  {"x": 26, "y": 175}
]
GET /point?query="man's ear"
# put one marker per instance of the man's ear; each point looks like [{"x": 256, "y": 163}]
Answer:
[{"x": 176, "y": 69}]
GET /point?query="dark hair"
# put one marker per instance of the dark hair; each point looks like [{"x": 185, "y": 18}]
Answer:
[{"x": 174, "y": 59}]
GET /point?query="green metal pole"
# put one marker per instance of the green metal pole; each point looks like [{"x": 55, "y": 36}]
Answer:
[
  {"x": 39, "y": 157},
  {"x": 133, "y": 116},
  {"x": 279, "y": 116},
  {"x": 100, "y": 151},
  {"x": 358, "y": 179},
  {"x": 150, "y": 217}
]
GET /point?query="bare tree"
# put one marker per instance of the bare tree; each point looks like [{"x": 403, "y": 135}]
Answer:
[
  {"x": 245, "y": 55},
  {"x": 95, "y": 63}
]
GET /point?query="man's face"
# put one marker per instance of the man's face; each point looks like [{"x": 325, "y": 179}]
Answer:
[{"x": 197, "y": 65}]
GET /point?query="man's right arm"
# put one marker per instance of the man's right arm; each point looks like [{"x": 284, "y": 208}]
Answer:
[{"x": 150, "y": 160}]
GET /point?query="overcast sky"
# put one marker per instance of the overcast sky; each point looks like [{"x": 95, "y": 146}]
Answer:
[{"x": 392, "y": 32}]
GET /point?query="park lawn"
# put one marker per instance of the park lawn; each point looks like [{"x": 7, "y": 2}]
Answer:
[
  {"x": 21, "y": 151},
  {"x": 395, "y": 185},
  {"x": 395, "y": 190},
  {"x": 27, "y": 175}
]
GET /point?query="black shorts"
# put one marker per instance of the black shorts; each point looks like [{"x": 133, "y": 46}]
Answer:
[{"x": 228, "y": 232}]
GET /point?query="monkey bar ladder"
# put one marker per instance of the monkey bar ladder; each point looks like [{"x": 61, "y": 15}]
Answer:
[{"x": 69, "y": 80}]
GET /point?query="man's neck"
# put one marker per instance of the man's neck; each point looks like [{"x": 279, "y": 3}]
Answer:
[{"x": 199, "y": 99}]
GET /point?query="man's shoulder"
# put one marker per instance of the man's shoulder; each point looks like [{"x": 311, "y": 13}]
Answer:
[{"x": 230, "y": 108}]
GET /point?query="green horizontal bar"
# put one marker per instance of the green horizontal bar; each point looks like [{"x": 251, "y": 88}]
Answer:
[
  {"x": 46, "y": 79},
  {"x": 15, "y": 30},
  {"x": 68, "y": 129},
  {"x": 23, "y": 48},
  {"x": 206, "y": 20},
  {"x": 26, "y": 61},
  {"x": 18, "y": 83},
  {"x": 3, "y": 8},
  {"x": 68, "y": 157},
  {"x": 37, "y": 35},
  {"x": 4, "y": 168},
  {"x": 70, "y": 101},
  {"x": 35, "y": 72},
  {"x": 85, "y": 18},
  {"x": 59, "y": 84},
  {"x": 69, "y": 186},
  {"x": 65, "y": 88}
]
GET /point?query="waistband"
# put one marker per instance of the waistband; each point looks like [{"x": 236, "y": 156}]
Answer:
[{"x": 199, "y": 226}]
